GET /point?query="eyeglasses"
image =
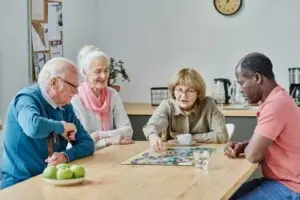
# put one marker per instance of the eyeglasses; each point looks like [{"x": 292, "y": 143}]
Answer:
[
  {"x": 188, "y": 92},
  {"x": 71, "y": 84}
]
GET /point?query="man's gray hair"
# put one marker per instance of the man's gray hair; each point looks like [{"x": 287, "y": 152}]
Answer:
[
  {"x": 87, "y": 55},
  {"x": 56, "y": 67}
]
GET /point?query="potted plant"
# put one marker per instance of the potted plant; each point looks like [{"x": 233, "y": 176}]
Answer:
[{"x": 116, "y": 70}]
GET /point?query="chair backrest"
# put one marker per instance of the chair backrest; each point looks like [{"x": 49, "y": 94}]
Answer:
[{"x": 230, "y": 129}]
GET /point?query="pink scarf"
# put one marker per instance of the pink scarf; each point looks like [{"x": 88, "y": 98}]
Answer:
[{"x": 100, "y": 105}]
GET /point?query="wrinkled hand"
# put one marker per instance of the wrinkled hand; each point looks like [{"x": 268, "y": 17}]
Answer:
[
  {"x": 119, "y": 139},
  {"x": 155, "y": 142},
  {"x": 95, "y": 136},
  {"x": 69, "y": 131},
  {"x": 234, "y": 149},
  {"x": 125, "y": 141},
  {"x": 56, "y": 158},
  {"x": 172, "y": 142}
]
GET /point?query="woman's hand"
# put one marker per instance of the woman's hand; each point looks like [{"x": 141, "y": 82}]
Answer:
[
  {"x": 155, "y": 142},
  {"x": 127, "y": 141},
  {"x": 95, "y": 136},
  {"x": 174, "y": 142},
  {"x": 119, "y": 139}
]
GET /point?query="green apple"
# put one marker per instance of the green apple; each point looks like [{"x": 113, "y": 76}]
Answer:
[
  {"x": 64, "y": 173},
  {"x": 50, "y": 172},
  {"x": 78, "y": 171},
  {"x": 62, "y": 165}
]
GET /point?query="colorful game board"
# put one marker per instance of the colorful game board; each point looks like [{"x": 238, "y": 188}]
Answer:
[{"x": 180, "y": 156}]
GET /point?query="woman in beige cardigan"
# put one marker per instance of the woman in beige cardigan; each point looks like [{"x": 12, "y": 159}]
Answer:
[{"x": 187, "y": 110}]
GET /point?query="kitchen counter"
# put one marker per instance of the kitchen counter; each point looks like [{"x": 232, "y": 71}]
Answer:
[
  {"x": 243, "y": 119},
  {"x": 231, "y": 110}
]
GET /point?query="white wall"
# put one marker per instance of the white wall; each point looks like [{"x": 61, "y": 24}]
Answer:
[
  {"x": 79, "y": 29},
  {"x": 14, "y": 57},
  {"x": 80, "y": 25},
  {"x": 155, "y": 38}
]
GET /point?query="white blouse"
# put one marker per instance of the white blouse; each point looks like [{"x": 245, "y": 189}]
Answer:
[{"x": 91, "y": 121}]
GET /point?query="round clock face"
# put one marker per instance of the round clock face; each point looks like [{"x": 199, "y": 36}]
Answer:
[{"x": 228, "y": 7}]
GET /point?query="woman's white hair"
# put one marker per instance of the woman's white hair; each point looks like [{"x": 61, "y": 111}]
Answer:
[
  {"x": 87, "y": 55},
  {"x": 56, "y": 67}
]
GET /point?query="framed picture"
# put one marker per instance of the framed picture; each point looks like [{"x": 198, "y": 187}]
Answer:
[
  {"x": 39, "y": 37},
  {"x": 54, "y": 21},
  {"x": 39, "y": 11},
  {"x": 39, "y": 59},
  {"x": 56, "y": 48},
  {"x": 57, "y": 1}
]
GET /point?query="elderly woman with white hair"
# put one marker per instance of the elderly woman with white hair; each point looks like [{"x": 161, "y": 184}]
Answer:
[{"x": 99, "y": 107}]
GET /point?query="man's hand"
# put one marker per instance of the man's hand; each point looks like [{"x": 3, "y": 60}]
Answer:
[
  {"x": 69, "y": 131},
  {"x": 56, "y": 158},
  {"x": 234, "y": 149},
  {"x": 155, "y": 143}
]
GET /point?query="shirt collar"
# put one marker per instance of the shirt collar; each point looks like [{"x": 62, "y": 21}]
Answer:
[
  {"x": 48, "y": 99},
  {"x": 178, "y": 111},
  {"x": 270, "y": 96}
]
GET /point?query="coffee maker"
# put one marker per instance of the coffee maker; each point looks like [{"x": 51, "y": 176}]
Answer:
[{"x": 294, "y": 80}]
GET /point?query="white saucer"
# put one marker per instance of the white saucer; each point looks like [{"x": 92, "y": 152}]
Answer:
[{"x": 64, "y": 182}]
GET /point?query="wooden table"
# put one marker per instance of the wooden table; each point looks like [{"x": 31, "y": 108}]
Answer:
[{"x": 107, "y": 179}]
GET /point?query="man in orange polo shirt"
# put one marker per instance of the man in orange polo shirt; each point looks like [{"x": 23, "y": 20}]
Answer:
[{"x": 275, "y": 143}]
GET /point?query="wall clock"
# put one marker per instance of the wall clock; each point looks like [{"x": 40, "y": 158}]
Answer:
[{"x": 228, "y": 7}]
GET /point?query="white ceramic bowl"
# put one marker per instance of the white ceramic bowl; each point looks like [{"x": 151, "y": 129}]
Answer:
[{"x": 73, "y": 181}]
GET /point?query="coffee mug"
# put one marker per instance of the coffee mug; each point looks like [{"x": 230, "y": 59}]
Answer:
[{"x": 184, "y": 139}]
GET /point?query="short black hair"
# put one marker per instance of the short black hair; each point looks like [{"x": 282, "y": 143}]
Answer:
[{"x": 256, "y": 63}]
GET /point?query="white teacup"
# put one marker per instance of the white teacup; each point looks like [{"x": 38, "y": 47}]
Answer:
[{"x": 184, "y": 139}]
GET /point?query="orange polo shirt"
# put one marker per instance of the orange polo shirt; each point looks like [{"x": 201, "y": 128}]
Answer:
[{"x": 278, "y": 119}]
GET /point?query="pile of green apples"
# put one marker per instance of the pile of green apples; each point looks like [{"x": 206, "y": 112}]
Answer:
[{"x": 64, "y": 171}]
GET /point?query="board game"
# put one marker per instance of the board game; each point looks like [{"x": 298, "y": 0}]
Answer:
[{"x": 178, "y": 156}]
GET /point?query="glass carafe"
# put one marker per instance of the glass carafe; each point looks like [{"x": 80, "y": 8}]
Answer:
[
  {"x": 236, "y": 96},
  {"x": 218, "y": 92},
  {"x": 233, "y": 91}
]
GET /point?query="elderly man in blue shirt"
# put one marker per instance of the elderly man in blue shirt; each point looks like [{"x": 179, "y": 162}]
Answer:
[{"x": 40, "y": 122}]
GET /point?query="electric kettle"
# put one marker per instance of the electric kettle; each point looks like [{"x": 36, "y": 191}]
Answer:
[
  {"x": 221, "y": 90},
  {"x": 296, "y": 94}
]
